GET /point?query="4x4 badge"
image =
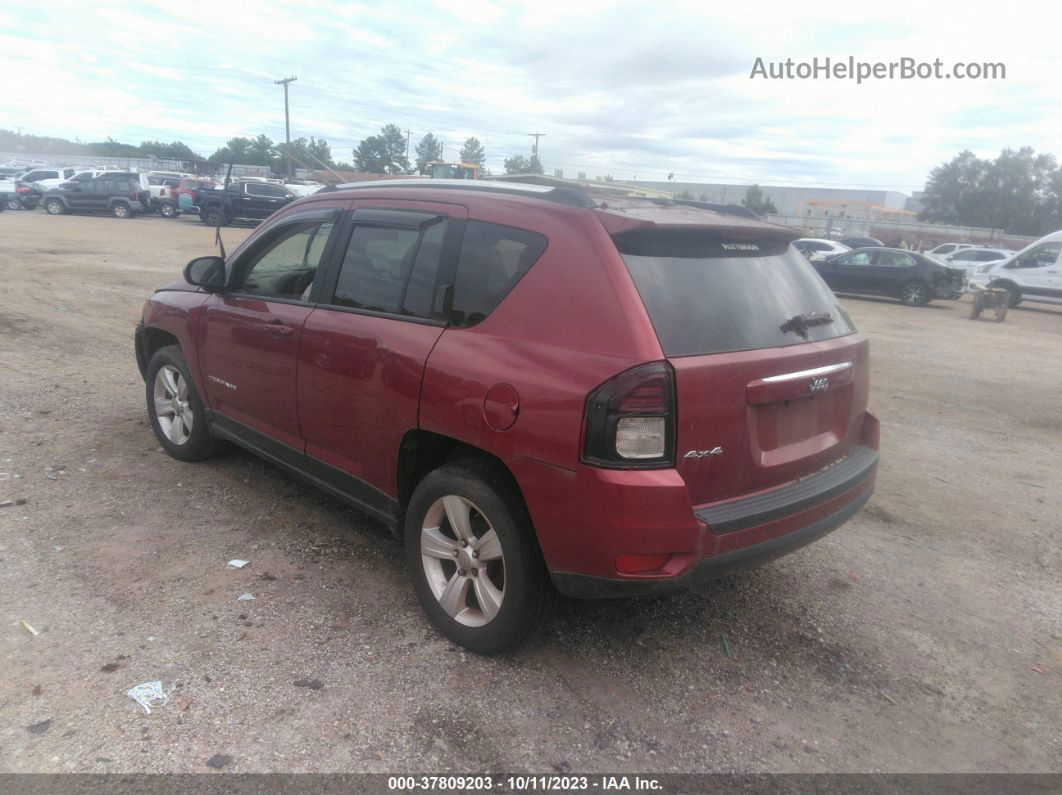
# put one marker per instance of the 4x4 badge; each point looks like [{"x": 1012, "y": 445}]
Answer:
[
  {"x": 818, "y": 385},
  {"x": 704, "y": 453}
]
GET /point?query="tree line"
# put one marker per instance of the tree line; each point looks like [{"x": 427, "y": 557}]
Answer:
[
  {"x": 1019, "y": 192},
  {"x": 386, "y": 153}
]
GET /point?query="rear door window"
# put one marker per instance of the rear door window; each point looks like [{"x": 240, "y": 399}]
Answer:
[
  {"x": 391, "y": 263},
  {"x": 493, "y": 259},
  {"x": 895, "y": 259},
  {"x": 710, "y": 295}
]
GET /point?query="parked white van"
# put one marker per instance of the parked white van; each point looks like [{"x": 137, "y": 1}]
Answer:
[{"x": 1033, "y": 274}]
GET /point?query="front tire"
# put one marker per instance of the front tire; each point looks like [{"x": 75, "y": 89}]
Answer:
[
  {"x": 14, "y": 204},
  {"x": 214, "y": 217},
  {"x": 471, "y": 552},
  {"x": 54, "y": 207},
  {"x": 177, "y": 413},
  {"x": 915, "y": 293},
  {"x": 167, "y": 210}
]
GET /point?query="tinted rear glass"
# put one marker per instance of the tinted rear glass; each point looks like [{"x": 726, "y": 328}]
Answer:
[
  {"x": 493, "y": 259},
  {"x": 710, "y": 295}
]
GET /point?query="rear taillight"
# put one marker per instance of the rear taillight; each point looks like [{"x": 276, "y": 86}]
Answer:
[{"x": 630, "y": 420}]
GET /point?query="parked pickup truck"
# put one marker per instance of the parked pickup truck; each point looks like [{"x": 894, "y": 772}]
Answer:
[
  {"x": 243, "y": 201},
  {"x": 163, "y": 190}
]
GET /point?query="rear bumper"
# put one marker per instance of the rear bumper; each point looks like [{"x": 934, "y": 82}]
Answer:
[
  {"x": 949, "y": 291},
  {"x": 581, "y": 586},
  {"x": 722, "y": 537}
]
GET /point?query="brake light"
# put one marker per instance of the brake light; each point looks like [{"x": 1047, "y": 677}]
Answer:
[{"x": 630, "y": 420}]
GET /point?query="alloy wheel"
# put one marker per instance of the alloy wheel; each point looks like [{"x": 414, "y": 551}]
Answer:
[
  {"x": 914, "y": 293},
  {"x": 173, "y": 410},
  {"x": 463, "y": 560}
]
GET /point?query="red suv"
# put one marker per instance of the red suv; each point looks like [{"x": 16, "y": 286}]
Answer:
[{"x": 535, "y": 389}]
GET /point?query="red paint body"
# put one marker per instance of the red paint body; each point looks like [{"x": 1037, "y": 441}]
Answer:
[{"x": 345, "y": 388}]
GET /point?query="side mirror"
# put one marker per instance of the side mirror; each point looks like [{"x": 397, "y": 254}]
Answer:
[{"x": 206, "y": 272}]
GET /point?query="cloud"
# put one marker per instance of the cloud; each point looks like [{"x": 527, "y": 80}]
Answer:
[{"x": 619, "y": 88}]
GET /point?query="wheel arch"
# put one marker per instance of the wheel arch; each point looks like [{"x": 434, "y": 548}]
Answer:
[
  {"x": 150, "y": 340},
  {"x": 421, "y": 452}
]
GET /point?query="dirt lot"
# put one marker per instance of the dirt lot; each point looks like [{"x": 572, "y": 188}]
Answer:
[{"x": 925, "y": 635}]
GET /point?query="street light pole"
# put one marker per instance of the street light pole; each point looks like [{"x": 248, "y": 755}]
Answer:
[{"x": 287, "y": 121}]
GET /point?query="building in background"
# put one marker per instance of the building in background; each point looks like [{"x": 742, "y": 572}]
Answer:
[{"x": 789, "y": 200}]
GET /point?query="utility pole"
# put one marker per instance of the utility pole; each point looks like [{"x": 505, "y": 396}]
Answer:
[
  {"x": 287, "y": 121},
  {"x": 536, "y": 136},
  {"x": 407, "y": 144}
]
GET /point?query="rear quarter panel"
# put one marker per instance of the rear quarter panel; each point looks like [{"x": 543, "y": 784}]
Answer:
[{"x": 568, "y": 325}]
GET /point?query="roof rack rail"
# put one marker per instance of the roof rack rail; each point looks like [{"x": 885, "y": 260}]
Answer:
[{"x": 561, "y": 195}]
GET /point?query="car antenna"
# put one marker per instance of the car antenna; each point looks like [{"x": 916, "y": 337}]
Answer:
[{"x": 221, "y": 212}]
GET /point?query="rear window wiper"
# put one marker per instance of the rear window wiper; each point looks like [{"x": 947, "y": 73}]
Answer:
[{"x": 799, "y": 324}]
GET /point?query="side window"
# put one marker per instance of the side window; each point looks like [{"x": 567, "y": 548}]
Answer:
[
  {"x": 104, "y": 187},
  {"x": 68, "y": 173},
  {"x": 1040, "y": 257},
  {"x": 896, "y": 259},
  {"x": 392, "y": 269},
  {"x": 275, "y": 190},
  {"x": 493, "y": 259},
  {"x": 286, "y": 265},
  {"x": 860, "y": 258}
]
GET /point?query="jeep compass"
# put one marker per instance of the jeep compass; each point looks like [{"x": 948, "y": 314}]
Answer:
[{"x": 536, "y": 389}]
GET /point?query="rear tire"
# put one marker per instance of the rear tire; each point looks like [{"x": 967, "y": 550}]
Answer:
[
  {"x": 121, "y": 210},
  {"x": 175, "y": 409},
  {"x": 915, "y": 293},
  {"x": 54, "y": 207},
  {"x": 480, "y": 576},
  {"x": 213, "y": 216},
  {"x": 1013, "y": 295},
  {"x": 14, "y": 204},
  {"x": 168, "y": 210}
]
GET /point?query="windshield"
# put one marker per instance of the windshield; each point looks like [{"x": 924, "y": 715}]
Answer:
[{"x": 711, "y": 296}]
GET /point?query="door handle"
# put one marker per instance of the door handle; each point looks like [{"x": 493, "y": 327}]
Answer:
[
  {"x": 277, "y": 329},
  {"x": 1052, "y": 271}
]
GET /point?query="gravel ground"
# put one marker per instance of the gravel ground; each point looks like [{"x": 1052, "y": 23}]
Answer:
[{"x": 925, "y": 635}]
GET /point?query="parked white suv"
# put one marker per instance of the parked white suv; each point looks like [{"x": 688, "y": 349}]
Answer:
[
  {"x": 944, "y": 249},
  {"x": 816, "y": 249},
  {"x": 49, "y": 178},
  {"x": 1033, "y": 274},
  {"x": 974, "y": 259}
]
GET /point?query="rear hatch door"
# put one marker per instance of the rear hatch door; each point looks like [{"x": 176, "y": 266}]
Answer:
[{"x": 771, "y": 376}]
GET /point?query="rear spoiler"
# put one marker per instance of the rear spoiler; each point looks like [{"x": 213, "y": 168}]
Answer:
[
  {"x": 690, "y": 218},
  {"x": 723, "y": 209}
]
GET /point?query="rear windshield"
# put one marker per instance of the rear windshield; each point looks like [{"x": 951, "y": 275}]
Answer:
[{"x": 711, "y": 295}]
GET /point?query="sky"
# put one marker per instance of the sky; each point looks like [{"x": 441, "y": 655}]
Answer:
[{"x": 631, "y": 89}]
